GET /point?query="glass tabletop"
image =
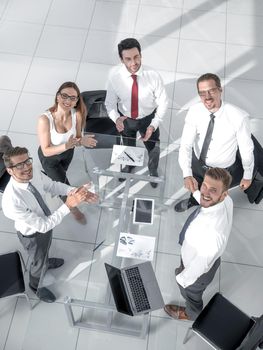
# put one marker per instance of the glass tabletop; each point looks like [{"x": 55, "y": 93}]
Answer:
[{"x": 85, "y": 248}]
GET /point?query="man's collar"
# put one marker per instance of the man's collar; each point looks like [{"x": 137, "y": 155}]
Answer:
[
  {"x": 22, "y": 185},
  {"x": 126, "y": 73},
  {"x": 220, "y": 110}
]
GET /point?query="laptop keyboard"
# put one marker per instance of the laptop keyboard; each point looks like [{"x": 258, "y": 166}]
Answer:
[{"x": 137, "y": 289}]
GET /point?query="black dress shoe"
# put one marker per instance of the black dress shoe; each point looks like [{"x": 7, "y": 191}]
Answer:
[
  {"x": 126, "y": 169},
  {"x": 154, "y": 173},
  {"x": 184, "y": 205},
  {"x": 54, "y": 263},
  {"x": 44, "y": 294}
]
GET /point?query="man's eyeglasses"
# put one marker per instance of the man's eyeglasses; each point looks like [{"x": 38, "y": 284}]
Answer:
[
  {"x": 212, "y": 91},
  {"x": 20, "y": 166},
  {"x": 67, "y": 97}
]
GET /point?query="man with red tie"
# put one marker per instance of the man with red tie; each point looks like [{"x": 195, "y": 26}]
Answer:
[{"x": 136, "y": 101}]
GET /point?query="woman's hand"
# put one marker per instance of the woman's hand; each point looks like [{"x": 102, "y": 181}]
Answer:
[
  {"x": 72, "y": 142},
  {"x": 89, "y": 141}
]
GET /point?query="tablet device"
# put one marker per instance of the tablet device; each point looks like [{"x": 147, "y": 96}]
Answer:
[{"x": 143, "y": 211}]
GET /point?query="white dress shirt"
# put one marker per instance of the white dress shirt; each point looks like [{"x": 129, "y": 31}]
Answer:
[
  {"x": 205, "y": 240},
  {"x": 151, "y": 94},
  {"x": 21, "y": 206},
  {"x": 231, "y": 131}
]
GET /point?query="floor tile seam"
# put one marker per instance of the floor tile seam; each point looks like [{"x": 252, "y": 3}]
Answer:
[
  {"x": 30, "y": 65},
  {"x": 7, "y": 232},
  {"x": 85, "y": 41},
  {"x": 70, "y": 240},
  {"x": 10, "y": 324},
  {"x": 249, "y": 209},
  {"x": 242, "y": 264},
  {"x": 201, "y": 6},
  {"x": 175, "y": 74}
]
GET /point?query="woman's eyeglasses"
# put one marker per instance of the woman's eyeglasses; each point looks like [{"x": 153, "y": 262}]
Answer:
[{"x": 67, "y": 97}]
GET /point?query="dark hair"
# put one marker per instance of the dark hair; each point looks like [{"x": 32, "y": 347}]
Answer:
[
  {"x": 209, "y": 76},
  {"x": 220, "y": 174},
  {"x": 12, "y": 152},
  {"x": 127, "y": 44},
  {"x": 80, "y": 105}
]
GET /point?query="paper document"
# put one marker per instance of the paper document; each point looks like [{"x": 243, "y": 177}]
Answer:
[
  {"x": 136, "y": 246},
  {"x": 127, "y": 155}
]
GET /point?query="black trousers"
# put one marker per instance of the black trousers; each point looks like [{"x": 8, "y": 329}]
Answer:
[
  {"x": 131, "y": 127},
  {"x": 193, "y": 294},
  {"x": 56, "y": 166},
  {"x": 37, "y": 247},
  {"x": 236, "y": 170}
]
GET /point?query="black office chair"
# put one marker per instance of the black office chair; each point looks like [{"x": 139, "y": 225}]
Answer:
[
  {"x": 11, "y": 276},
  {"x": 4, "y": 179},
  {"x": 98, "y": 121},
  {"x": 222, "y": 325}
]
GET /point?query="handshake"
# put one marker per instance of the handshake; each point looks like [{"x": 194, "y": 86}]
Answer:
[{"x": 81, "y": 194}]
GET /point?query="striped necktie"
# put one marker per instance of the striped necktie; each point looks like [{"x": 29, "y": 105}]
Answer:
[
  {"x": 207, "y": 139},
  {"x": 39, "y": 199},
  {"x": 190, "y": 218}
]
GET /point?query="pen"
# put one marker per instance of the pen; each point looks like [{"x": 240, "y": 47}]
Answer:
[
  {"x": 129, "y": 156},
  {"x": 98, "y": 245}
]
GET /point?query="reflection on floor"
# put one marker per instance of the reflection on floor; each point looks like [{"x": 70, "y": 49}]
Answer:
[{"x": 43, "y": 44}]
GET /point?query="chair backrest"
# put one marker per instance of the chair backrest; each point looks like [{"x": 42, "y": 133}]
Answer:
[
  {"x": 98, "y": 121},
  {"x": 254, "y": 338},
  {"x": 94, "y": 101},
  {"x": 4, "y": 179},
  {"x": 222, "y": 324},
  {"x": 11, "y": 275}
]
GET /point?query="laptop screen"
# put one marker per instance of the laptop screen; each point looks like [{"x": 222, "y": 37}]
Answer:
[{"x": 118, "y": 290}]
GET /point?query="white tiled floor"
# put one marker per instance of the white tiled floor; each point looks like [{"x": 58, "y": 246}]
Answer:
[{"x": 44, "y": 43}]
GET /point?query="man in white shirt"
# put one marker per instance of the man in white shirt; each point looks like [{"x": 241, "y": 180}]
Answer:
[
  {"x": 204, "y": 238},
  {"x": 230, "y": 145},
  {"x": 22, "y": 202},
  {"x": 136, "y": 101}
]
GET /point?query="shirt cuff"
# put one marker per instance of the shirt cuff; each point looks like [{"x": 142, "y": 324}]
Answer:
[
  {"x": 187, "y": 172},
  {"x": 248, "y": 174},
  {"x": 181, "y": 281},
  {"x": 114, "y": 116},
  {"x": 64, "y": 209}
]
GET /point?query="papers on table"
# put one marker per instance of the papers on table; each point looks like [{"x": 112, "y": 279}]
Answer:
[
  {"x": 135, "y": 246},
  {"x": 127, "y": 155}
]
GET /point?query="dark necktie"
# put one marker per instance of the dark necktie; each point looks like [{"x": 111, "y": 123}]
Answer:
[
  {"x": 39, "y": 199},
  {"x": 190, "y": 218},
  {"x": 134, "y": 97},
  {"x": 207, "y": 139}
]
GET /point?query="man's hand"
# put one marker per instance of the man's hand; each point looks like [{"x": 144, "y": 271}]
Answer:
[
  {"x": 244, "y": 184},
  {"x": 91, "y": 197},
  {"x": 190, "y": 183},
  {"x": 76, "y": 196},
  {"x": 148, "y": 133},
  {"x": 82, "y": 194},
  {"x": 119, "y": 123}
]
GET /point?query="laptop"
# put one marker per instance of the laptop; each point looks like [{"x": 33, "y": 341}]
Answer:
[{"x": 135, "y": 289}]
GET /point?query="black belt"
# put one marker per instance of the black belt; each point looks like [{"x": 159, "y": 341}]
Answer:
[{"x": 207, "y": 167}]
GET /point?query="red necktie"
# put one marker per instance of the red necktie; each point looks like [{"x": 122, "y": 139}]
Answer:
[{"x": 134, "y": 98}]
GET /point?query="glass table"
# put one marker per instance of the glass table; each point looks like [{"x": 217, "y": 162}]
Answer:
[{"x": 81, "y": 284}]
